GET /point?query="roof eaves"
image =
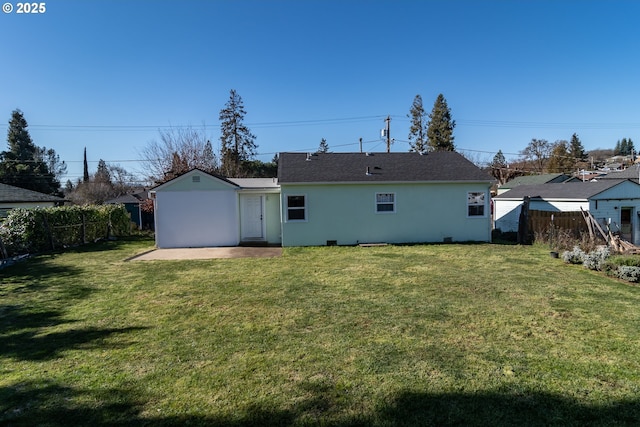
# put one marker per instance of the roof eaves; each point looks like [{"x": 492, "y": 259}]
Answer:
[{"x": 184, "y": 175}]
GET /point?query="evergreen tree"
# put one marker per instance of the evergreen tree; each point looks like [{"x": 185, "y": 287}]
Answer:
[
  {"x": 102, "y": 176},
  {"x": 500, "y": 169},
  {"x": 323, "y": 147},
  {"x": 497, "y": 165},
  {"x": 618, "y": 149},
  {"x": 418, "y": 130},
  {"x": 85, "y": 174},
  {"x": 626, "y": 147},
  {"x": 208, "y": 161},
  {"x": 576, "y": 149},
  {"x": 499, "y": 160},
  {"x": 237, "y": 142},
  {"x": 440, "y": 128},
  {"x": 24, "y": 164}
]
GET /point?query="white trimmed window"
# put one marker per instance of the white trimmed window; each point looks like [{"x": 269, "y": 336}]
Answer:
[
  {"x": 385, "y": 202},
  {"x": 296, "y": 208},
  {"x": 476, "y": 203}
]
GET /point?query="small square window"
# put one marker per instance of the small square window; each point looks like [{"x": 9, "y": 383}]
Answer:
[
  {"x": 195, "y": 178},
  {"x": 296, "y": 208},
  {"x": 385, "y": 202},
  {"x": 475, "y": 203}
]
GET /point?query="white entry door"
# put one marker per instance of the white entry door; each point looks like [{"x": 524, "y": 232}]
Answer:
[{"x": 252, "y": 211}]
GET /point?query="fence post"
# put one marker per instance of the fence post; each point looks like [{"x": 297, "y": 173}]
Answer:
[
  {"x": 84, "y": 229},
  {"x": 47, "y": 229},
  {"x": 523, "y": 223},
  {"x": 3, "y": 249},
  {"x": 108, "y": 226}
]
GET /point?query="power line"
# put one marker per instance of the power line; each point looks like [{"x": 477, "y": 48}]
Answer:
[
  {"x": 340, "y": 120},
  {"x": 128, "y": 128}
]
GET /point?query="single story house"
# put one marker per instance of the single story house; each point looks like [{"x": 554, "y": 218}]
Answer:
[
  {"x": 613, "y": 202},
  {"x": 15, "y": 197},
  {"x": 353, "y": 198},
  {"x": 330, "y": 199},
  {"x": 198, "y": 209}
]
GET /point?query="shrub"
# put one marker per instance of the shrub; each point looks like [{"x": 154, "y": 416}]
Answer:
[
  {"x": 596, "y": 259},
  {"x": 40, "y": 229},
  {"x": 576, "y": 256},
  {"x": 629, "y": 273}
]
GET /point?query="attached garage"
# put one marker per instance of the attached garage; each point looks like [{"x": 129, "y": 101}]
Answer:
[{"x": 198, "y": 209}]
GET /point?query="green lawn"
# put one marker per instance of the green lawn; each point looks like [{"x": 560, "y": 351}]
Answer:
[{"x": 336, "y": 336}]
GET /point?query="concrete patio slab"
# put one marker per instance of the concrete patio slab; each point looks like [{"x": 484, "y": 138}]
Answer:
[{"x": 209, "y": 253}]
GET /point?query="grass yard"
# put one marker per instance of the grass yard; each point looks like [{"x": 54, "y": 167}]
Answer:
[{"x": 336, "y": 336}]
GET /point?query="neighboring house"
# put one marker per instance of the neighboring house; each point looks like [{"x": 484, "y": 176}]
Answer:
[
  {"x": 352, "y": 198},
  {"x": 330, "y": 199},
  {"x": 133, "y": 204},
  {"x": 613, "y": 202},
  {"x": 15, "y": 197},
  {"x": 198, "y": 209},
  {"x": 632, "y": 172},
  {"x": 547, "y": 178}
]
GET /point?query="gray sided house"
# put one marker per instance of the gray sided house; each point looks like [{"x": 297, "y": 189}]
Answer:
[
  {"x": 15, "y": 197},
  {"x": 613, "y": 202},
  {"x": 354, "y": 198}
]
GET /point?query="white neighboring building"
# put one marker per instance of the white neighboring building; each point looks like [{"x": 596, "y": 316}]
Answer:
[{"x": 610, "y": 201}]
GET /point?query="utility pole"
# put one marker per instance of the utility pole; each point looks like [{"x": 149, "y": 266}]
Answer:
[{"x": 388, "y": 133}]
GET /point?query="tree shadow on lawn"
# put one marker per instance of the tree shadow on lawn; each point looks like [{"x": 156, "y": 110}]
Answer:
[
  {"x": 32, "y": 275},
  {"x": 23, "y": 334},
  {"x": 57, "y": 405},
  {"x": 25, "y": 327}
]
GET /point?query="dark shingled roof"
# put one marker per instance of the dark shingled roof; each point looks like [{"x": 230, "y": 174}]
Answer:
[
  {"x": 441, "y": 166},
  {"x": 536, "y": 179},
  {"x": 11, "y": 194},
  {"x": 566, "y": 190},
  {"x": 632, "y": 172}
]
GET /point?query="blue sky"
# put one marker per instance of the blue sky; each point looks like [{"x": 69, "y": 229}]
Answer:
[{"x": 107, "y": 74}]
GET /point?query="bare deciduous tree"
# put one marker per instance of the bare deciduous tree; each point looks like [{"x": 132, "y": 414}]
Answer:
[
  {"x": 537, "y": 153},
  {"x": 185, "y": 146}
]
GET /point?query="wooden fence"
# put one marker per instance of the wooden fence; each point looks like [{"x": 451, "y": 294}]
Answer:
[{"x": 540, "y": 222}]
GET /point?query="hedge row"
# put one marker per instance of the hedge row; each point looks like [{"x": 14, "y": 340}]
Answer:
[{"x": 26, "y": 231}]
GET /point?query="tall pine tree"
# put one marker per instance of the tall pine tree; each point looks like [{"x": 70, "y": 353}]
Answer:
[
  {"x": 418, "y": 130},
  {"x": 237, "y": 142},
  {"x": 85, "y": 173},
  {"x": 576, "y": 149},
  {"x": 24, "y": 164},
  {"x": 323, "y": 147},
  {"x": 440, "y": 129}
]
